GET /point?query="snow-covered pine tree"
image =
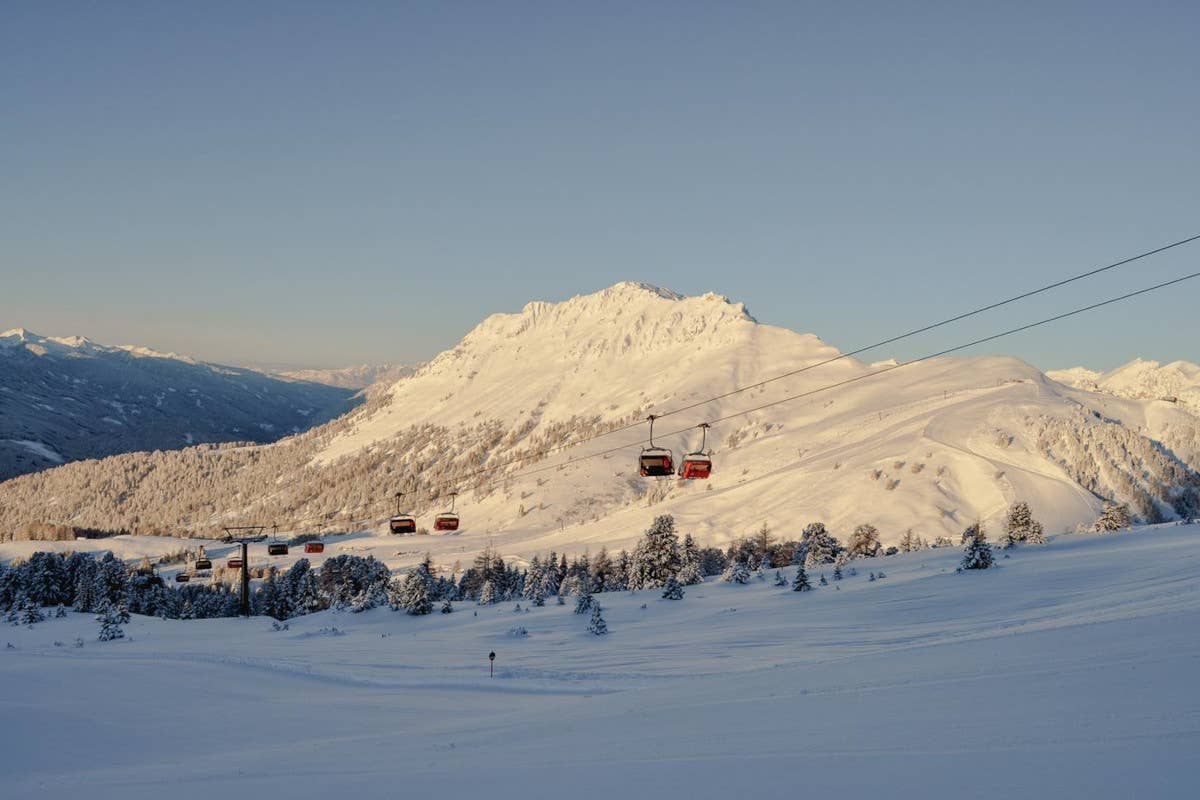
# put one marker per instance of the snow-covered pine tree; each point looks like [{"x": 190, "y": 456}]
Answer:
[
  {"x": 689, "y": 570},
  {"x": 299, "y": 592},
  {"x": 819, "y": 546},
  {"x": 597, "y": 625},
  {"x": 736, "y": 572},
  {"x": 533, "y": 578},
  {"x": 600, "y": 571},
  {"x": 487, "y": 594},
  {"x": 800, "y": 582},
  {"x": 1114, "y": 517},
  {"x": 414, "y": 594},
  {"x": 823, "y": 582},
  {"x": 977, "y": 553},
  {"x": 31, "y": 612},
  {"x": 659, "y": 558},
  {"x": 972, "y": 531},
  {"x": 621, "y": 570},
  {"x": 1020, "y": 526},
  {"x": 110, "y": 619},
  {"x": 584, "y": 602},
  {"x": 672, "y": 590},
  {"x": 447, "y": 606},
  {"x": 864, "y": 542}
]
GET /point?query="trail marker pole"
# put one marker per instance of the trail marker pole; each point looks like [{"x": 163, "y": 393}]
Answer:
[
  {"x": 492, "y": 664},
  {"x": 245, "y": 580}
]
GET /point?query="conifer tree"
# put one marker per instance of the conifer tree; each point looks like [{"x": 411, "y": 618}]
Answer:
[
  {"x": 447, "y": 606},
  {"x": 31, "y": 612},
  {"x": 584, "y": 602},
  {"x": 600, "y": 571},
  {"x": 736, "y": 572},
  {"x": 819, "y": 546},
  {"x": 1114, "y": 517},
  {"x": 1020, "y": 526},
  {"x": 412, "y": 594},
  {"x": 659, "y": 557},
  {"x": 110, "y": 619},
  {"x": 689, "y": 570},
  {"x": 487, "y": 594},
  {"x": 597, "y": 625},
  {"x": 977, "y": 553},
  {"x": 800, "y": 582},
  {"x": 672, "y": 590}
]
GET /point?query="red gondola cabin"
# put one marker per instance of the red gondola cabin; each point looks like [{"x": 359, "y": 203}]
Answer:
[
  {"x": 403, "y": 524},
  {"x": 446, "y": 522},
  {"x": 314, "y": 547},
  {"x": 696, "y": 466}
]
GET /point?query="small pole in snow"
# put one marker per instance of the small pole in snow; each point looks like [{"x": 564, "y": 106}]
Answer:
[{"x": 492, "y": 664}]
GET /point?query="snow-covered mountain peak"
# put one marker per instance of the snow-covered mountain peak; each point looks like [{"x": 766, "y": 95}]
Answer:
[
  {"x": 15, "y": 337},
  {"x": 638, "y": 315},
  {"x": 625, "y": 350}
]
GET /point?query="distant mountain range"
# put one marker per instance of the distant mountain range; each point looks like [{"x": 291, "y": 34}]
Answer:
[
  {"x": 65, "y": 399},
  {"x": 362, "y": 376},
  {"x": 933, "y": 446}
]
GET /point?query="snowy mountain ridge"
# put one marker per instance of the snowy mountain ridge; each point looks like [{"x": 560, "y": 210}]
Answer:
[
  {"x": 67, "y": 398},
  {"x": 1141, "y": 379}
]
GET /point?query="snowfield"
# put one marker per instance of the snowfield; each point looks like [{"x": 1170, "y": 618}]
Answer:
[{"x": 1066, "y": 672}]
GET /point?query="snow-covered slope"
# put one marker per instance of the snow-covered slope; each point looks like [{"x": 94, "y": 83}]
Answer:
[
  {"x": 63, "y": 399},
  {"x": 1067, "y": 672},
  {"x": 932, "y": 446},
  {"x": 1178, "y": 381}
]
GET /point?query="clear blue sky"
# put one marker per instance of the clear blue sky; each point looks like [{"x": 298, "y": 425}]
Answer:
[{"x": 330, "y": 183}]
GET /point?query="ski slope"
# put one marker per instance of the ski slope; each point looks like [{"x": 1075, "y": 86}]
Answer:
[{"x": 1067, "y": 672}]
